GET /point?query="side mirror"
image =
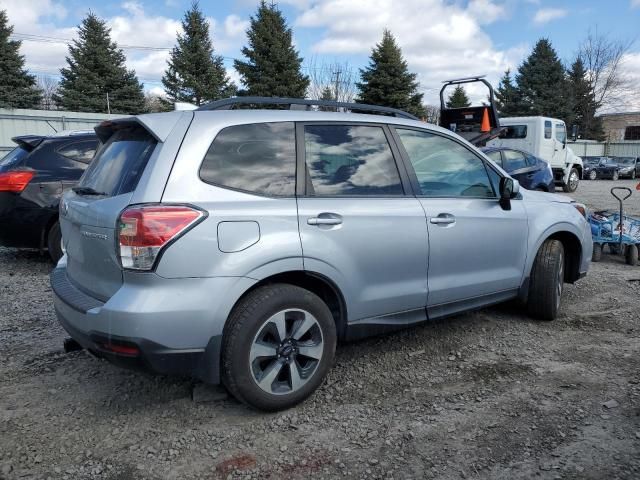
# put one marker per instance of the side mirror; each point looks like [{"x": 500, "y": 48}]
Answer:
[{"x": 509, "y": 188}]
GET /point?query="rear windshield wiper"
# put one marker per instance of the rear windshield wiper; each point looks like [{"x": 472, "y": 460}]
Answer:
[{"x": 88, "y": 191}]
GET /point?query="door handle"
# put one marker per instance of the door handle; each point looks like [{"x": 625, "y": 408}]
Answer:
[
  {"x": 443, "y": 219},
  {"x": 324, "y": 221}
]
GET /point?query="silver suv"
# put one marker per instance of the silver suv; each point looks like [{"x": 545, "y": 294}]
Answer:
[{"x": 239, "y": 245}]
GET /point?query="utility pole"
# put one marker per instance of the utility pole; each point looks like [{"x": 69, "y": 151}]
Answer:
[
  {"x": 108, "y": 106},
  {"x": 337, "y": 85}
]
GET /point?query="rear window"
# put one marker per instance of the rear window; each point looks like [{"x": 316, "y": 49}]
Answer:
[
  {"x": 12, "y": 159},
  {"x": 79, "y": 151},
  {"x": 119, "y": 164},
  {"x": 258, "y": 158},
  {"x": 514, "y": 131}
]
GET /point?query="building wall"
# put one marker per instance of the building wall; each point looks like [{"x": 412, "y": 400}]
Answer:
[
  {"x": 14, "y": 122},
  {"x": 615, "y": 124}
]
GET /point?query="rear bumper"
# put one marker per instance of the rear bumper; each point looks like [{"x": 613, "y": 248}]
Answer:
[{"x": 171, "y": 333}]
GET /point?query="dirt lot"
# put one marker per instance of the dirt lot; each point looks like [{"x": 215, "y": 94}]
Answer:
[{"x": 491, "y": 394}]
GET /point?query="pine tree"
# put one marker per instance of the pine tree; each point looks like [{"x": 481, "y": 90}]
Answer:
[
  {"x": 194, "y": 73},
  {"x": 327, "y": 94},
  {"x": 17, "y": 88},
  {"x": 387, "y": 81},
  {"x": 458, "y": 98},
  {"x": 272, "y": 68},
  {"x": 508, "y": 100},
  {"x": 96, "y": 79},
  {"x": 542, "y": 84},
  {"x": 583, "y": 104}
]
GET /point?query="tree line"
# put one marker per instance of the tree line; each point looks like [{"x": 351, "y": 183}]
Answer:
[{"x": 96, "y": 78}]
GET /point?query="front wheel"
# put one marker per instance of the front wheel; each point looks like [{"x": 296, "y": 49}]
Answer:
[
  {"x": 278, "y": 346},
  {"x": 593, "y": 175},
  {"x": 615, "y": 176},
  {"x": 633, "y": 175},
  {"x": 546, "y": 281},
  {"x": 572, "y": 183},
  {"x": 596, "y": 256}
]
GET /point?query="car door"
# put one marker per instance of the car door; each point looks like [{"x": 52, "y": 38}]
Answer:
[
  {"x": 477, "y": 250},
  {"x": 359, "y": 226}
]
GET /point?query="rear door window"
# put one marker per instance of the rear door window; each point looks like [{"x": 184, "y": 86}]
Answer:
[
  {"x": 120, "y": 162},
  {"x": 257, "y": 158},
  {"x": 514, "y": 131},
  {"x": 12, "y": 159},
  {"x": 547, "y": 129},
  {"x": 79, "y": 151}
]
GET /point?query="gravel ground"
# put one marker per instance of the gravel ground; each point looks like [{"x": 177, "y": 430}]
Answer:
[{"x": 489, "y": 395}]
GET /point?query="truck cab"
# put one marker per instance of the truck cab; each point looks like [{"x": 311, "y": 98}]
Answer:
[{"x": 545, "y": 138}]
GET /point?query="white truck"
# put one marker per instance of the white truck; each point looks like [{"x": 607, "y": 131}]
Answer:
[{"x": 546, "y": 138}]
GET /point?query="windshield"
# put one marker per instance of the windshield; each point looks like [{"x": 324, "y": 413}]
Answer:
[
  {"x": 119, "y": 164},
  {"x": 12, "y": 158}
]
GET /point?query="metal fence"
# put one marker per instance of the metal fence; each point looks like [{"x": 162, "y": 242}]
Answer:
[
  {"x": 606, "y": 149},
  {"x": 14, "y": 122}
]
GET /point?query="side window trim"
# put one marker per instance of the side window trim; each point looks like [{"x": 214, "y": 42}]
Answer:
[
  {"x": 412, "y": 174},
  {"x": 302, "y": 176}
]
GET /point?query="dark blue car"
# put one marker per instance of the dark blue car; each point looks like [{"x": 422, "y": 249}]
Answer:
[{"x": 532, "y": 172}]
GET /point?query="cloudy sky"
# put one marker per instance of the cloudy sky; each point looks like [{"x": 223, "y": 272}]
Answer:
[{"x": 440, "y": 39}]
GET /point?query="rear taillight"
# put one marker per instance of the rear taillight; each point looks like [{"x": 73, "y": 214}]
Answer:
[
  {"x": 15, "y": 181},
  {"x": 144, "y": 230}
]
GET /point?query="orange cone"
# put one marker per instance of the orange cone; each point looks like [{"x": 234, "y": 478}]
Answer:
[{"x": 485, "y": 127}]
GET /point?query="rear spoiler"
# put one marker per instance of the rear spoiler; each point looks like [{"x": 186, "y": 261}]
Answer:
[
  {"x": 159, "y": 125},
  {"x": 28, "y": 142}
]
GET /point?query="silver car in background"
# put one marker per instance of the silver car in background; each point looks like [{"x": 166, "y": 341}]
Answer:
[{"x": 239, "y": 246}]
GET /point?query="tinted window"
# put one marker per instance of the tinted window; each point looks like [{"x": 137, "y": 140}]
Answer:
[
  {"x": 79, "y": 151},
  {"x": 561, "y": 132},
  {"x": 513, "y": 160},
  {"x": 119, "y": 164},
  {"x": 258, "y": 158},
  {"x": 495, "y": 156},
  {"x": 514, "y": 131},
  {"x": 531, "y": 160},
  {"x": 444, "y": 167},
  {"x": 547, "y": 129},
  {"x": 632, "y": 132},
  {"x": 350, "y": 160},
  {"x": 12, "y": 158}
]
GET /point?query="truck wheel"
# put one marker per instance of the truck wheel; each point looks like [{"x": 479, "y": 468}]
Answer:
[
  {"x": 54, "y": 242},
  {"x": 547, "y": 281},
  {"x": 631, "y": 255},
  {"x": 572, "y": 184},
  {"x": 593, "y": 175},
  {"x": 615, "y": 176},
  {"x": 278, "y": 345},
  {"x": 596, "y": 256}
]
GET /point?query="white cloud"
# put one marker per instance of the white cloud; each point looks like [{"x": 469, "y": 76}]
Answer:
[
  {"x": 630, "y": 66},
  {"x": 545, "y": 15},
  {"x": 440, "y": 40},
  {"x": 635, "y": 3}
]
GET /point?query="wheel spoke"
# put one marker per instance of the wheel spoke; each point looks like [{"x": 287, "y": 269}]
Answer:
[
  {"x": 311, "y": 351},
  {"x": 296, "y": 381},
  {"x": 269, "y": 375},
  {"x": 262, "y": 350},
  {"x": 279, "y": 321},
  {"x": 303, "y": 327}
]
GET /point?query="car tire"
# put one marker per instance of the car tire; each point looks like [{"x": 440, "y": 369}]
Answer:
[
  {"x": 54, "y": 242},
  {"x": 265, "y": 370},
  {"x": 631, "y": 255},
  {"x": 633, "y": 175},
  {"x": 596, "y": 256},
  {"x": 593, "y": 175},
  {"x": 615, "y": 176},
  {"x": 574, "y": 180},
  {"x": 614, "y": 249},
  {"x": 546, "y": 281}
]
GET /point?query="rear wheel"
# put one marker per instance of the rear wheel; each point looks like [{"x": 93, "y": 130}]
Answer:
[
  {"x": 572, "y": 183},
  {"x": 546, "y": 281},
  {"x": 54, "y": 242},
  {"x": 631, "y": 255},
  {"x": 597, "y": 252},
  {"x": 278, "y": 346}
]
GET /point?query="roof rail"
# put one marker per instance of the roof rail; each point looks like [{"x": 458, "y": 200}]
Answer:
[{"x": 228, "y": 103}]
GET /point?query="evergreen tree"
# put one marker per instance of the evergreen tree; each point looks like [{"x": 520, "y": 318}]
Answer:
[
  {"x": 17, "y": 88},
  {"x": 96, "y": 74},
  {"x": 583, "y": 104},
  {"x": 194, "y": 73},
  {"x": 327, "y": 94},
  {"x": 542, "y": 84},
  {"x": 458, "y": 98},
  {"x": 387, "y": 81},
  {"x": 508, "y": 100},
  {"x": 272, "y": 68}
]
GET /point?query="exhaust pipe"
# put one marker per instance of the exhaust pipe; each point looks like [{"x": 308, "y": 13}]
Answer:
[{"x": 70, "y": 345}]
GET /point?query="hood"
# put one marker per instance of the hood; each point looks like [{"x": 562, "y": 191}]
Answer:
[{"x": 535, "y": 196}]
